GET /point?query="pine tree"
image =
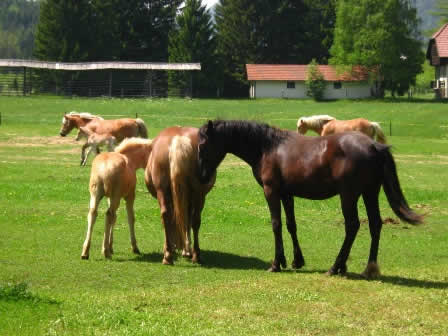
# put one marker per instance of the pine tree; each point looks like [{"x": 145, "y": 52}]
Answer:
[
  {"x": 63, "y": 31},
  {"x": 192, "y": 41},
  {"x": 269, "y": 31}
]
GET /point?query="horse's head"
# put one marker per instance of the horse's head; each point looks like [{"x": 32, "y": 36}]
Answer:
[
  {"x": 301, "y": 126},
  {"x": 210, "y": 152},
  {"x": 68, "y": 123}
]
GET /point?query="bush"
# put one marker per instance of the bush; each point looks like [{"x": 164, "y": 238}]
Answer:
[{"x": 315, "y": 82}]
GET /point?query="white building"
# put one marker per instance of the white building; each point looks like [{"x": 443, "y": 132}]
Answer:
[
  {"x": 288, "y": 81},
  {"x": 437, "y": 54}
]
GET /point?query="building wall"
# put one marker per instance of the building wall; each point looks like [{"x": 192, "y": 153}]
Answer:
[{"x": 278, "y": 89}]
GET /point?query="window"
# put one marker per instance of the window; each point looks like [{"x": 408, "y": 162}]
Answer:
[
  {"x": 337, "y": 85},
  {"x": 290, "y": 85}
]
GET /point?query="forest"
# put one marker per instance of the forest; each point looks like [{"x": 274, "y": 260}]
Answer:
[{"x": 224, "y": 39}]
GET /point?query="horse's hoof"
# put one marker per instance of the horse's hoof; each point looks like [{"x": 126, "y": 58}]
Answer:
[
  {"x": 297, "y": 264},
  {"x": 136, "y": 251},
  {"x": 335, "y": 271},
  {"x": 167, "y": 262},
  {"x": 274, "y": 269},
  {"x": 85, "y": 257},
  {"x": 195, "y": 259},
  {"x": 372, "y": 271}
]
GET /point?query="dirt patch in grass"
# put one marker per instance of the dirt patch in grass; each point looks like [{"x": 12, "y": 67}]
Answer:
[{"x": 38, "y": 141}]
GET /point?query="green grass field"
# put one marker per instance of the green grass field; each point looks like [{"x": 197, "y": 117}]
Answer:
[{"x": 46, "y": 289}]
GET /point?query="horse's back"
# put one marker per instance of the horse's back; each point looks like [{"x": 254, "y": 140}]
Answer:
[
  {"x": 109, "y": 172},
  {"x": 315, "y": 167},
  {"x": 120, "y": 128}
]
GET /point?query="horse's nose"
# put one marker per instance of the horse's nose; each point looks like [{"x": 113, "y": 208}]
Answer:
[{"x": 62, "y": 134}]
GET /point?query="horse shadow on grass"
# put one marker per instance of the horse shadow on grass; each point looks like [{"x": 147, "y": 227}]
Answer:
[
  {"x": 211, "y": 259},
  {"x": 224, "y": 260},
  {"x": 389, "y": 279}
]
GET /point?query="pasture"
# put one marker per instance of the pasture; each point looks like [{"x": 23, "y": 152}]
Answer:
[{"x": 46, "y": 289}]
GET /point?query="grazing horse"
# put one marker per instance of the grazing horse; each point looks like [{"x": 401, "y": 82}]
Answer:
[
  {"x": 114, "y": 175},
  {"x": 119, "y": 128},
  {"x": 287, "y": 164},
  {"x": 326, "y": 125},
  {"x": 171, "y": 177},
  {"x": 94, "y": 141}
]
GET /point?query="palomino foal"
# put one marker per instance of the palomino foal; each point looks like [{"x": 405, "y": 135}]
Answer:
[
  {"x": 114, "y": 175},
  {"x": 94, "y": 141}
]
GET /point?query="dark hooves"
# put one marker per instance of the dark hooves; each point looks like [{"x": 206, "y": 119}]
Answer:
[
  {"x": 297, "y": 264},
  {"x": 83, "y": 257}
]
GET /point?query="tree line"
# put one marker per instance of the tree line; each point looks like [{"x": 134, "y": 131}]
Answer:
[{"x": 382, "y": 35}]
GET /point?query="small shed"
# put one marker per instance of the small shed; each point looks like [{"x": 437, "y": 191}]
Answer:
[
  {"x": 288, "y": 81},
  {"x": 437, "y": 54}
]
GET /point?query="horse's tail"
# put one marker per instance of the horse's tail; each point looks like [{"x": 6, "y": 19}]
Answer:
[
  {"x": 378, "y": 132},
  {"x": 180, "y": 155},
  {"x": 142, "y": 130},
  {"x": 392, "y": 188}
]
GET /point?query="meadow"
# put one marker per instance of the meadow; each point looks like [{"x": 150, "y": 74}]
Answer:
[{"x": 46, "y": 289}]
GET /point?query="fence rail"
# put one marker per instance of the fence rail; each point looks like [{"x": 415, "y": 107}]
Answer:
[{"x": 113, "y": 79}]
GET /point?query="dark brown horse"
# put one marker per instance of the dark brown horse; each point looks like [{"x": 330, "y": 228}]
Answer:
[
  {"x": 287, "y": 164},
  {"x": 171, "y": 177}
]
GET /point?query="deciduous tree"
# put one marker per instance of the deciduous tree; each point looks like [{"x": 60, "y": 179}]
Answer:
[{"x": 381, "y": 35}]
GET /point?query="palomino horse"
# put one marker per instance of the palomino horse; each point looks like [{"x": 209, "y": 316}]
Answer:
[
  {"x": 94, "y": 141},
  {"x": 171, "y": 177},
  {"x": 114, "y": 175},
  {"x": 326, "y": 125},
  {"x": 119, "y": 128},
  {"x": 287, "y": 164},
  {"x": 314, "y": 123}
]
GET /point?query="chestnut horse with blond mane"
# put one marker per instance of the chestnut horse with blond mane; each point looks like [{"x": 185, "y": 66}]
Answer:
[
  {"x": 119, "y": 128},
  {"x": 113, "y": 175},
  {"x": 171, "y": 177},
  {"x": 326, "y": 125}
]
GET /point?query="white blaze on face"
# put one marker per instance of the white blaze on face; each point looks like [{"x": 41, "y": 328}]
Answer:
[{"x": 64, "y": 120}]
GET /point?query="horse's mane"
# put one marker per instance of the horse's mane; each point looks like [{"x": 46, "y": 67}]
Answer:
[
  {"x": 128, "y": 143},
  {"x": 316, "y": 121},
  {"x": 85, "y": 115},
  {"x": 251, "y": 132}
]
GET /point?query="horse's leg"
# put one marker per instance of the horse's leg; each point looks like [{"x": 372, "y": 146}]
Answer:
[
  {"x": 288, "y": 205},
  {"x": 111, "y": 217},
  {"x": 186, "y": 252},
  {"x": 131, "y": 222},
  {"x": 350, "y": 211},
  {"x": 83, "y": 154},
  {"x": 166, "y": 214},
  {"x": 95, "y": 199},
  {"x": 273, "y": 200},
  {"x": 375, "y": 224},
  {"x": 196, "y": 224}
]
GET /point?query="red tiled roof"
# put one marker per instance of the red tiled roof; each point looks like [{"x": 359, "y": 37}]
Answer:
[
  {"x": 441, "y": 39},
  {"x": 294, "y": 72}
]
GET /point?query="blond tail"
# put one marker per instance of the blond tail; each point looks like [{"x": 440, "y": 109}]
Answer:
[
  {"x": 180, "y": 155},
  {"x": 380, "y": 137}
]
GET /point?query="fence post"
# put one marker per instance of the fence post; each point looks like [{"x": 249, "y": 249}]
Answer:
[
  {"x": 390, "y": 127},
  {"x": 24, "y": 81}
]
